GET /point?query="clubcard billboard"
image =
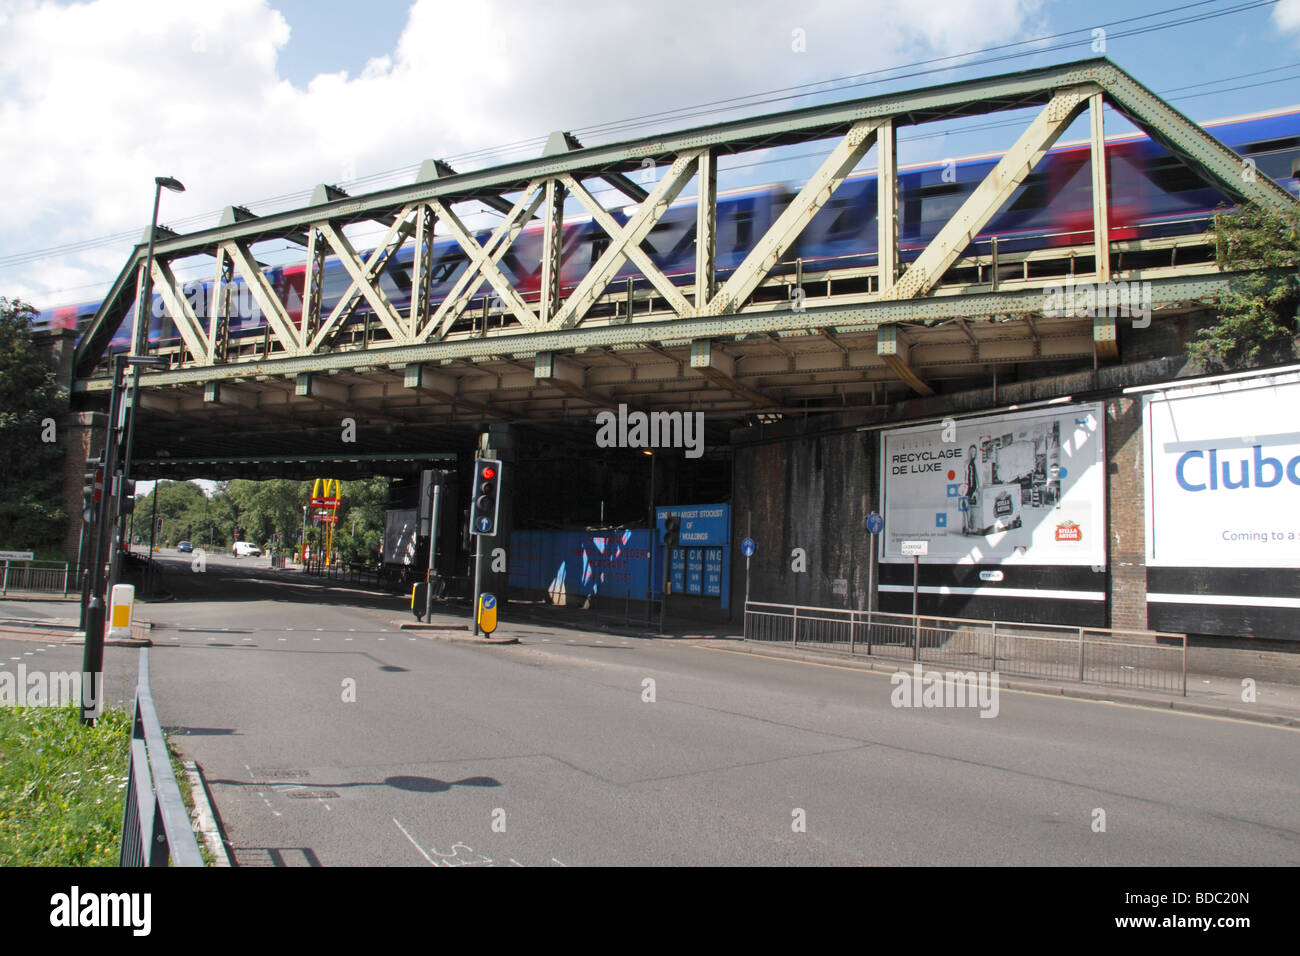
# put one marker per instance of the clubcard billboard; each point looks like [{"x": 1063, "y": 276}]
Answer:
[
  {"x": 1223, "y": 474},
  {"x": 1020, "y": 488}
]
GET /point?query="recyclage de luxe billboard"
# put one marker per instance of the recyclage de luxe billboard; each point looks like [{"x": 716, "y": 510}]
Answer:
[
  {"x": 1223, "y": 474},
  {"x": 1019, "y": 488}
]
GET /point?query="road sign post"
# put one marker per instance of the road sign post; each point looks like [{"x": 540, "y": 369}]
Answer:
[
  {"x": 916, "y": 549},
  {"x": 747, "y": 548},
  {"x": 874, "y": 524}
]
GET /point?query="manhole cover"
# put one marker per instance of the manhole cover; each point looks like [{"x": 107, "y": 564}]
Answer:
[{"x": 279, "y": 773}]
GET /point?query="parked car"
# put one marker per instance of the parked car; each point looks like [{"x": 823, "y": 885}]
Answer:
[
  {"x": 246, "y": 549},
  {"x": 185, "y": 546}
]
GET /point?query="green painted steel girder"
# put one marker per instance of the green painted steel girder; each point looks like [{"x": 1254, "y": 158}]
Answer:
[
  {"x": 869, "y": 316},
  {"x": 1208, "y": 157}
]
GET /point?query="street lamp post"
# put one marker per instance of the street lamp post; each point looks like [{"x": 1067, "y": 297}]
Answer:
[{"x": 141, "y": 347}]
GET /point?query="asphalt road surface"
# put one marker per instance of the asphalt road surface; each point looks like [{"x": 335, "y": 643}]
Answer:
[{"x": 330, "y": 737}]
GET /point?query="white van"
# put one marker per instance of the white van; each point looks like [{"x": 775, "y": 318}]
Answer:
[{"x": 246, "y": 549}]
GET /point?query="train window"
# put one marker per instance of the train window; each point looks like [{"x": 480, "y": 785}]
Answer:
[
  {"x": 445, "y": 269},
  {"x": 1276, "y": 158},
  {"x": 744, "y": 220},
  {"x": 1033, "y": 193},
  {"x": 849, "y": 218},
  {"x": 1273, "y": 145},
  {"x": 1171, "y": 175},
  {"x": 599, "y": 244},
  {"x": 940, "y": 201}
]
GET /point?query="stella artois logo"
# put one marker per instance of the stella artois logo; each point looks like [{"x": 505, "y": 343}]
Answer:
[{"x": 1069, "y": 531}]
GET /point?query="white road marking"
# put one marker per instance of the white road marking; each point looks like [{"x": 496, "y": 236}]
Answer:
[
  {"x": 347, "y": 638},
  {"x": 413, "y": 843},
  {"x": 554, "y": 860},
  {"x": 315, "y": 638},
  {"x": 281, "y": 638}
]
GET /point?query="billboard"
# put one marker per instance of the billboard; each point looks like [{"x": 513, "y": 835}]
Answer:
[
  {"x": 1019, "y": 488},
  {"x": 1223, "y": 474}
]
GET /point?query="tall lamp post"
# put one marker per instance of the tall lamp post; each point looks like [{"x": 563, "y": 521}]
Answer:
[
  {"x": 109, "y": 512},
  {"x": 141, "y": 345}
]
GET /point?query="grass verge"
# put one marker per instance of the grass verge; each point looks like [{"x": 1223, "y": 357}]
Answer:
[{"x": 62, "y": 786}]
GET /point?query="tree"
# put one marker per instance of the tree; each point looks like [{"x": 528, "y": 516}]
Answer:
[
  {"x": 1257, "y": 322},
  {"x": 32, "y": 516}
]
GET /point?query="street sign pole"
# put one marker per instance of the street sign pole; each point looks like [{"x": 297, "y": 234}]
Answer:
[
  {"x": 433, "y": 550},
  {"x": 916, "y": 549},
  {"x": 478, "y": 579}
]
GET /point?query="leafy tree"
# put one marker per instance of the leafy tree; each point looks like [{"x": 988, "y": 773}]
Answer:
[
  {"x": 1257, "y": 323},
  {"x": 180, "y": 513},
  {"x": 32, "y": 516}
]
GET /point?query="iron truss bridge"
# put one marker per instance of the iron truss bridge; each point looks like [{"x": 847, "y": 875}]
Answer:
[{"x": 733, "y": 345}]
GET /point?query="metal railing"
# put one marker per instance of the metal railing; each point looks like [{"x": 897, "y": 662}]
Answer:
[
  {"x": 1149, "y": 660},
  {"x": 40, "y": 577},
  {"x": 156, "y": 829}
]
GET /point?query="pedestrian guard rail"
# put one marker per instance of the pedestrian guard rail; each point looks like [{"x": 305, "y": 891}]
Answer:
[{"x": 1149, "y": 660}]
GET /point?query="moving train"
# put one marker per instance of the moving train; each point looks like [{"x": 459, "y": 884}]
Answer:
[{"x": 1152, "y": 194}]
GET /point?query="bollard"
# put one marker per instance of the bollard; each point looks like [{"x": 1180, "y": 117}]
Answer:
[{"x": 121, "y": 611}]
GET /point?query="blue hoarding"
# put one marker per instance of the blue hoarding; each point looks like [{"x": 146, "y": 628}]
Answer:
[{"x": 701, "y": 562}]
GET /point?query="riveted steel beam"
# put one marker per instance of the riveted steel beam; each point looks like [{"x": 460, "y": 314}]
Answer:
[
  {"x": 1100, "y": 190},
  {"x": 625, "y": 243},
  {"x": 187, "y": 324},
  {"x": 1167, "y": 292},
  {"x": 887, "y": 206},
  {"x": 988, "y": 197},
  {"x": 445, "y": 388},
  {"x": 365, "y": 278},
  {"x": 272, "y": 309},
  {"x": 767, "y": 252},
  {"x": 893, "y": 349},
  {"x": 611, "y": 162},
  {"x": 706, "y": 229},
  {"x": 720, "y": 369},
  {"x": 483, "y": 262}
]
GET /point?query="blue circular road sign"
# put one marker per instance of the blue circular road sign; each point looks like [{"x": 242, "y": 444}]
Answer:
[
  {"x": 485, "y": 523},
  {"x": 747, "y": 546},
  {"x": 875, "y": 523}
]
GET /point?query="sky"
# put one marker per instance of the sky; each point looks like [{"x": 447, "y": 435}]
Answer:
[{"x": 253, "y": 102}]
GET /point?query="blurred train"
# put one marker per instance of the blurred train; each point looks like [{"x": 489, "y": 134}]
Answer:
[{"x": 1152, "y": 194}]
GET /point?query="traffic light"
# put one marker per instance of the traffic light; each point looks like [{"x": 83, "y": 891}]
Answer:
[
  {"x": 93, "y": 490},
  {"x": 672, "y": 524},
  {"x": 486, "y": 498},
  {"x": 128, "y": 496}
]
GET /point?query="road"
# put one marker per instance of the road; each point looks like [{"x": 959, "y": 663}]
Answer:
[{"x": 550, "y": 753}]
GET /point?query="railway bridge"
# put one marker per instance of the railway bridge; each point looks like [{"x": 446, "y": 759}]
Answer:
[{"x": 766, "y": 342}]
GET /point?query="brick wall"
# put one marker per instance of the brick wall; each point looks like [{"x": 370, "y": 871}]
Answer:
[
  {"x": 79, "y": 442},
  {"x": 1127, "y": 516}
]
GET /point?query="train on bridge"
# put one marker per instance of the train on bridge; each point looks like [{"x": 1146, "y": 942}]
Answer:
[{"x": 1152, "y": 194}]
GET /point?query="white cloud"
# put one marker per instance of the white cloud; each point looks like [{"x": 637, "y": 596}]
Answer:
[
  {"x": 1287, "y": 16},
  {"x": 97, "y": 98}
]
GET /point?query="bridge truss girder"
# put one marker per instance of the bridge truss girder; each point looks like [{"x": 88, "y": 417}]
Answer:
[{"x": 703, "y": 315}]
